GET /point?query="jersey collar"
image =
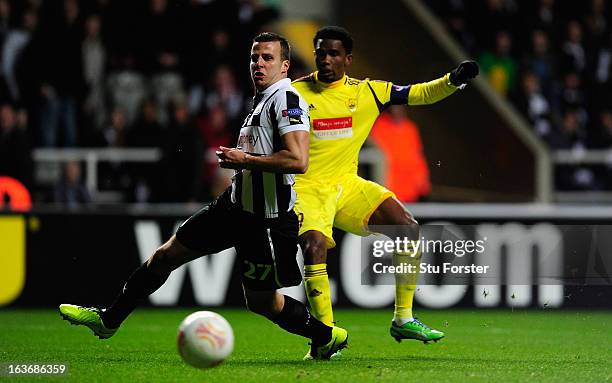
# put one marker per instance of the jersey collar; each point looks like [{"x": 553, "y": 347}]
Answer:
[
  {"x": 274, "y": 87},
  {"x": 334, "y": 84}
]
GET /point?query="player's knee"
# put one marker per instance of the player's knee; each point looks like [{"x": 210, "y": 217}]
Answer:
[
  {"x": 409, "y": 225},
  {"x": 404, "y": 217},
  {"x": 314, "y": 248}
]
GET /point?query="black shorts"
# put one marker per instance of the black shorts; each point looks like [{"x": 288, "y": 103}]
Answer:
[{"x": 266, "y": 247}]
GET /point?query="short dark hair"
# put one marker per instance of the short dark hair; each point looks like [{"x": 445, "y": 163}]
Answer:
[
  {"x": 271, "y": 36},
  {"x": 335, "y": 33}
]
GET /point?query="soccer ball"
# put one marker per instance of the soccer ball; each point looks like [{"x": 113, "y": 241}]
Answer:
[{"x": 205, "y": 339}]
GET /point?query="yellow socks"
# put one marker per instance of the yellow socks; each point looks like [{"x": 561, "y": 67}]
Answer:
[
  {"x": 319, "y": 295},
  {"x": 318, "y": 292},
  {"x": 405, "y": 285}
]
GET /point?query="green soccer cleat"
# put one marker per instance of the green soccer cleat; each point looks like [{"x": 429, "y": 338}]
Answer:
[
  {"x": 86, "y": 316},
  {"x": 415, "y": 329},
  {"x": 338, "y": 341}
]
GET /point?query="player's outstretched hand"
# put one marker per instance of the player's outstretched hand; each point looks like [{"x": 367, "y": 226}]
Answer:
[
  {"x": 465, "y": 71},
  {"x": 231, "y": 158}
]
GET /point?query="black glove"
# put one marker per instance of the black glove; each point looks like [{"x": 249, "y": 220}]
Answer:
[{"x": 465, "y": 71}]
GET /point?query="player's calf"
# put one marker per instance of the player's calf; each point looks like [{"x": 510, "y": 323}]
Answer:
[{"x": 265, "y": 303}]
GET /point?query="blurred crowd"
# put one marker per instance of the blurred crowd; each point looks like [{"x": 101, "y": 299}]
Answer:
[
  {"x": 169, "y": 74},
  {"x": 173, "y": 75},
  {"x": 553, "y": 60}
]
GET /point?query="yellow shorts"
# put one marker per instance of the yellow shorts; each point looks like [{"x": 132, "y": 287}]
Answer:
[{"x": 346, "y": 203}]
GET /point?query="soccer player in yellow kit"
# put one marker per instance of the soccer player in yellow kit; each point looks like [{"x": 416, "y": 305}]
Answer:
[{"x": 330, "y": 193}]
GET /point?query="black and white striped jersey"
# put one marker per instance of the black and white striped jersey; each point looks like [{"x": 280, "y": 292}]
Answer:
[{"x": 277, "y": 110}]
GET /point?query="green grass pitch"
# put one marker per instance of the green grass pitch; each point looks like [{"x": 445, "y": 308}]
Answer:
[{"x": 481, "y": 346}]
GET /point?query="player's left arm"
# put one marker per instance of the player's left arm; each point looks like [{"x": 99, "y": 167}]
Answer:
[{"x": 433, "y": 91}]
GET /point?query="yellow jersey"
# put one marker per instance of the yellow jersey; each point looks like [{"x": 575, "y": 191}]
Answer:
[{"x": 342, "y": 114}]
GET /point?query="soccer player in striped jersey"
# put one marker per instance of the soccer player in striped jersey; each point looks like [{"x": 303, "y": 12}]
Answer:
[
  {"x": 255, "y": 215},
  {"x": 342, "y": 112}
]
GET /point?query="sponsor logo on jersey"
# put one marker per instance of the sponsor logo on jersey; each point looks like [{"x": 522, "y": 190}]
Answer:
[
  {"x": 312, "y": 107},
  {"x": 333, "y": 128},
  {"x": 292, "y": 112},
  {"x": 248, "y": 140}
]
